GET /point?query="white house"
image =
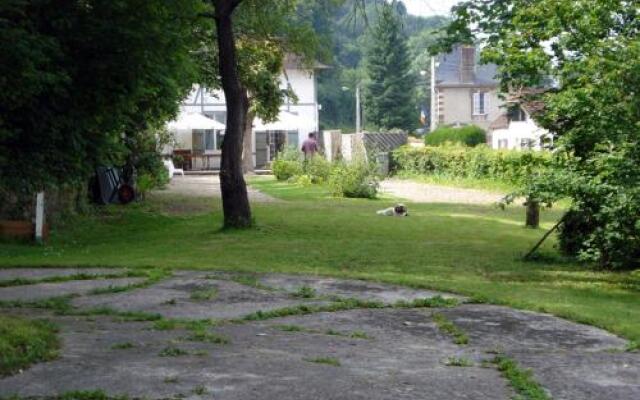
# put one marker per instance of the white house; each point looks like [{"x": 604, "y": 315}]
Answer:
[
  {"x": 201, "y": 148},
  {"x": 516, "y": 129}
]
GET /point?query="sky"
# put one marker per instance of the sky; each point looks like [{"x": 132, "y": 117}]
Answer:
[{"x": 429, "y": 7}]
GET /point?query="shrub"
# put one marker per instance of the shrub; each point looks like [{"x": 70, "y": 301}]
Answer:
[
  {"x": 469, "y": 135},
  {"x": 478, "y": 162},
  {"x": 357, "y": 179},
  {"x": 285, "y": 170},
  {"x": 288, "y": 164},
  {"x": 318, "y": 169}
]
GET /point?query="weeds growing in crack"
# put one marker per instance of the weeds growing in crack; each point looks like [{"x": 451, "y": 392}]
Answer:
[
  {"x": 204, "y": 294},
  {"x": 458, "y": 362},
  {"x": 122, "y": 346},
  {"x": 324, "y": 360},
  {"x": 448, "y": 327},
  {"x": 305, "y": 292},
  {"x": 521, "y": 380}
]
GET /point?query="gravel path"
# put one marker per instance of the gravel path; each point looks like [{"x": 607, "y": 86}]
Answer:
[
  {"x": 427, "y": 193},
  {"x": 207, "y": 186}
]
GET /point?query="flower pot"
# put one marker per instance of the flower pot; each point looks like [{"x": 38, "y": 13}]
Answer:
[{"x": 21, "y": 230}]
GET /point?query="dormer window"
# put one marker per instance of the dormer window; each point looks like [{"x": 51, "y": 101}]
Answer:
[{"x": 517, "y": 114}]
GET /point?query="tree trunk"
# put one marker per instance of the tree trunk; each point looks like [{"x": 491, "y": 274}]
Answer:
[
  {"x": 247, "y": 156},
  {"x": 235, "y": 201},
  {"x": 533, "y": 213}
]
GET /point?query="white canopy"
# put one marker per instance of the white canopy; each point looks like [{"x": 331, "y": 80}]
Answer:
[
  {"x": 286, "y": 122},
  {"x": 188, "y": 121}
]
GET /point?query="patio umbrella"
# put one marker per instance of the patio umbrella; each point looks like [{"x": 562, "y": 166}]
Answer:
[
  {"x": 189, "y": 121},
  {"x": 286, "y": 122}
]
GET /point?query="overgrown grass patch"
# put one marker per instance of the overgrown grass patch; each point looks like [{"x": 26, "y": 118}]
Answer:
[
  {"x": 324, "y": 360},
  {"x": 520, "y": 379},
  {"x": 448, "y": 327},
  {"x": 24, "y": 342}
]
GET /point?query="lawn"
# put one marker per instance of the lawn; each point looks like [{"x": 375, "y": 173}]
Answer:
[{"x": 471, "y": 250}]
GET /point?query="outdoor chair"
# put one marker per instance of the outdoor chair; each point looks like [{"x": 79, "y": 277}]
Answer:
[{"x": 172, "y": 169}]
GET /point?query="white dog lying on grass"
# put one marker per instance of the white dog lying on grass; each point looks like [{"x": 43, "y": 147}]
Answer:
[{"x": 399, "y": 210}]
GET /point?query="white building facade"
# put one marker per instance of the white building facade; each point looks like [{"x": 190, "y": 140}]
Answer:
[{"x": 203, "y": 147}]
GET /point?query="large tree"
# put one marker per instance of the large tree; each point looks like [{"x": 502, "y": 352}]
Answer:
[
  {"x": 585, "y": 56},
  {"x": 389, "y": 95},
  {"x": 78, "y": 76},
  {"x": 252, "y": 38}
]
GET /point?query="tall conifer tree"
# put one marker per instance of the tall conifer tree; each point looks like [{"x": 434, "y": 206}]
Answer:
[{"x": 388, "y": 103}]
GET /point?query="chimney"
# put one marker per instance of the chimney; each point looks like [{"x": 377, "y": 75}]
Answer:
[{"x": 467, "y": 64}]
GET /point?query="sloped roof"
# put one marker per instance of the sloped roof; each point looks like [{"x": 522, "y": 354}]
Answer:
[
  {"x": 502, "y": 122},
  {"x": 293, "y": 61},
  {"x": 448, "y": 70}
]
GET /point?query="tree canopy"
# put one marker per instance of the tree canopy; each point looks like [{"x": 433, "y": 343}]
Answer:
[
  {"x": 583, "y": 59},
  {"x": 77, "y": 75},
  {"x": 390, "y": 86}
]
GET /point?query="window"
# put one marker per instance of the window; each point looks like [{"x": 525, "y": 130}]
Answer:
[
  {"x": 209, "y": 140},
  {"x": 517, "y": 114},
  {"x": 219, "y": 139},
  {"x": 292, "y": 139},
  {"x": 480, "y": 103},
  {"x": 198, "y": 144}
]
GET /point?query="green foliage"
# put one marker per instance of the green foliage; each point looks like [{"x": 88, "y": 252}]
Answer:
[
  {"x": 390, "y": 89},
  {"x": 324, "y": 360},
  {"x": 595, "y": 55},
  {"x": 347, "y": 32},
  {"x": 121, "y": 67},
  {"x": 287, "y": 164},
  {"x": 357, "y": 179},
  {"x": 24, "y": 342},
  {"x": 469, "y": 135},
  {"x": 318, "y": 169},
  {"x": 521, "y": 380},
  {"x": 478, "y": 162}
]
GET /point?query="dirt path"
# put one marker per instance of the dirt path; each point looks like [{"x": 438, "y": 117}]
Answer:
[
  {"x": 427, "y": 193},
  {"x": 208, "y": 335},
  {"x": 207, "y": 186}
]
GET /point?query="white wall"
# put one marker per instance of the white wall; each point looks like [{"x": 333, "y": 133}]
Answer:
[
  {"x": 511, "y": 138},
  {"x": 302, "y": 83}
]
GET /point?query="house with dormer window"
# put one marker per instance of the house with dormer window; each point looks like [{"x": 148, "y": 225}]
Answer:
[{"x": 464, "y": 92}]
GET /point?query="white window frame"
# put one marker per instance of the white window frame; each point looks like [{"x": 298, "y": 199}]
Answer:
[{"x": 480, "y": 103}]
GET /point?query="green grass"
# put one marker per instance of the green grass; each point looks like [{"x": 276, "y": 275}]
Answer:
[
  {"x": 448, "y": 327},
  {"x": 172, "y": 351},
  {"x": 204, "y": 294},
  {"x": 324, "y": 360},
  {"x": 458, "y": 362},
  {"x": 471, "y": 250},
  {"x": 24, "y": 342},
  {"x": 521, "y": 380},
  {"x": 122, "y": 346},
  {"x": 490, "y": 185}
]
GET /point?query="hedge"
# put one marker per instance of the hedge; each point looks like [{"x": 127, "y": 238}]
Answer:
[
  {"x": 469, "y": 135},
  {"x": 470, "y": 162}
]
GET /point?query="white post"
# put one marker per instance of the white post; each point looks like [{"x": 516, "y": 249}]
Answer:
[
  {"x": 39, "y": 217},
  {"x": 358, "y": 123},
  {"x": 434, "y": 101}
]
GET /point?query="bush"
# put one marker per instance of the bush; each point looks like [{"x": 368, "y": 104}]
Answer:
[
  {"x": 318, "y": 169},
  {"x": 355, "y": 180},
  {"x": 285, "y": 169},
  {"x": 469, "y": 135},
  {"x": 463, "y": 162}
]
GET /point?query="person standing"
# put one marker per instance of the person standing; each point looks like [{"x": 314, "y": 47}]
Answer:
[{"x": 310, "y": 146}]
